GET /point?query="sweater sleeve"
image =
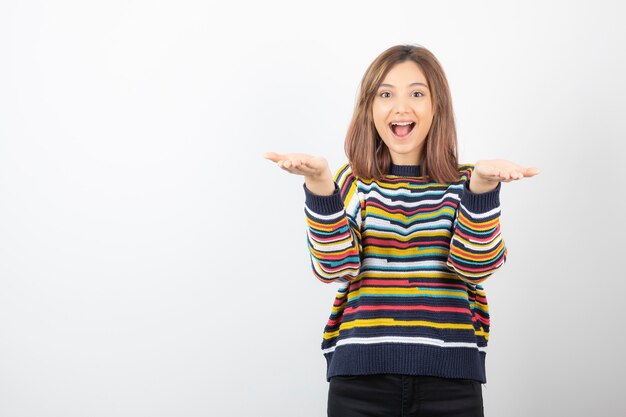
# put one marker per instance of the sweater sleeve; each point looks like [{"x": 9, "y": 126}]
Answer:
[
  {"x": 477, "y": 249},
  {"x": 333, "y": 229}
]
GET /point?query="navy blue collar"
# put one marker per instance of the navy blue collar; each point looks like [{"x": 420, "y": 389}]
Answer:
[{"x": 405, "y": 170}]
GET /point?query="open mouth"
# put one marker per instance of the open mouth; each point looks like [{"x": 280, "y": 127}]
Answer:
[{"x": 401, "y": 129}]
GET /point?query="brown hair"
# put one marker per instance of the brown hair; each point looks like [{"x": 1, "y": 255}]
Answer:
[{"x": 367, "y": 153}]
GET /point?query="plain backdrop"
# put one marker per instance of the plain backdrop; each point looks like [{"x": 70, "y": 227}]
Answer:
[{"x": 152, "y": 263}]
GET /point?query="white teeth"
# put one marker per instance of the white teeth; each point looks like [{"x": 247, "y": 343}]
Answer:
[{"x": 401, "y": 123}]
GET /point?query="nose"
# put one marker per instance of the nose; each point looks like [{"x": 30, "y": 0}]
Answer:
[{"x": 400, "y": 105}]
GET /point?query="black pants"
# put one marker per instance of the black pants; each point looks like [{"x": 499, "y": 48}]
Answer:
[{"x": 403, "y": 396}]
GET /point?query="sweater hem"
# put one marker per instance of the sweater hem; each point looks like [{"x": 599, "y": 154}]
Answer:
[{"x": 404, "y": 359}]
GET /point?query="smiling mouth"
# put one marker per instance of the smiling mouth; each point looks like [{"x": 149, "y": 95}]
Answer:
[{"x": 401, "y": 129}]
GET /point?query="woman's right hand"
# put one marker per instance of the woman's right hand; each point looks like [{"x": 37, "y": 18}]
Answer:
[{"x": 317, "y": 175}]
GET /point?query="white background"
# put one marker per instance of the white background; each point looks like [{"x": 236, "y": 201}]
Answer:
[{"x": 152, "y": 263}]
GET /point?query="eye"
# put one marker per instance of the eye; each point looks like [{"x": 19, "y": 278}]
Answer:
[
  {"x": 385, "y": 94},
  {"x": 417, "y": 94}
]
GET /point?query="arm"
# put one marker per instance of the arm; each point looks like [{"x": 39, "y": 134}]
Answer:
[
  {"x": 334, "y": 230},
  {"x": 332, "y": 209},
  {"x": 476, "y": 247}
]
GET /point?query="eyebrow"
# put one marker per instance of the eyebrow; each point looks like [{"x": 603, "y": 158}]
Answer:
[{"x": 410, "y": 85}]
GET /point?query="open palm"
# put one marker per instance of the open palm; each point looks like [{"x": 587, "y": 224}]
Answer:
[
  {"x": 317, "y": 175},
  {"x": 488, "y": 173},
  {"x": 300, "y": 164},
  {"x": 501, "y": 170}
]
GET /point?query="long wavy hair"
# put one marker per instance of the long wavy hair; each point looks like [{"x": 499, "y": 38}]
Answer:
[{"x": 367, "y": 153}]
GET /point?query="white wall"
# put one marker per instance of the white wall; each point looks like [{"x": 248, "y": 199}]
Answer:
[{"x": 153, "y": 264}]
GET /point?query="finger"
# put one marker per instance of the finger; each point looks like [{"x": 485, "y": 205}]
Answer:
[
  {"x": 273, "y": 156},
  {"x": 300, "y": 165},
  {"x": 516, "y": 176},
  {"x": 499, "y": 175},
  {"x": 306, "y": 170},
  {"x": 503, "y": 175},
  {"x": 291, "y": 171},
  {"x": 531, "y": 172},
  {"x": 511, "y": 175},
  {"x": 292, "y": 163}
]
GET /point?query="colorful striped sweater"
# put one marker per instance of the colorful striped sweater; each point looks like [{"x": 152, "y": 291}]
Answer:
[{"x": 410, "y": 256}]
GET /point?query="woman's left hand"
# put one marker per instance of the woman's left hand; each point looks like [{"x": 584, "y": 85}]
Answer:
[{"x": 488, "y": 173}]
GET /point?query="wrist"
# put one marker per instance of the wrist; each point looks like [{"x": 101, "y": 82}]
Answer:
[
  {"x": 321, "y": 185},
  {"x": 478, "y": 186}
]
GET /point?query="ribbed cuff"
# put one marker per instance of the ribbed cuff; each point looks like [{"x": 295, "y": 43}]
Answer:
[
  {"x": 481, "y": 203},
  {"x": 323, "y": 204}
]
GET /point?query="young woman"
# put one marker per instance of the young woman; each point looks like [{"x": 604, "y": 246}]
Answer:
[{"x": 410, "y": 234}]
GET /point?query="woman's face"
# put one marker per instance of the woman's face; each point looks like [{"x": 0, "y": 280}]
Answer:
[{"x": 403, "y": 113}]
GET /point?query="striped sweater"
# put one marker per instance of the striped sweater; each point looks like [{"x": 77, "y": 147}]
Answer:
[{"x": 410, "y": 256}]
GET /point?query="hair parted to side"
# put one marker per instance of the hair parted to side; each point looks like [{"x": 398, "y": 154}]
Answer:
[{"x": 367, "y": 153}]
